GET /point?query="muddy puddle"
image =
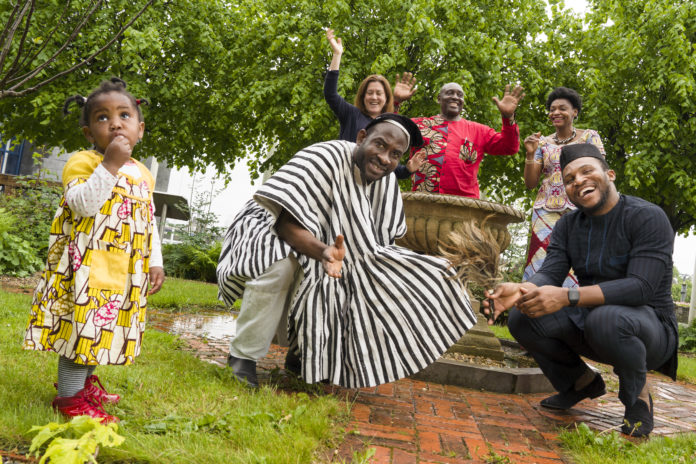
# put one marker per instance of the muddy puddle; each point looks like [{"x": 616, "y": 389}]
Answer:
[{"x": 208, "y": 325}]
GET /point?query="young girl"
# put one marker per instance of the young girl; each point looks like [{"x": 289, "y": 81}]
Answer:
[{"x": 89, "y": 306}]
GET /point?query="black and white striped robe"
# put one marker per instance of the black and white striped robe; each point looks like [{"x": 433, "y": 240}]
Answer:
[{"x": 392, "y": 313}]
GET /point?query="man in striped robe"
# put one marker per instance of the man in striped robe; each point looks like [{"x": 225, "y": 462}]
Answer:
[{"x": 318, "y": 238}]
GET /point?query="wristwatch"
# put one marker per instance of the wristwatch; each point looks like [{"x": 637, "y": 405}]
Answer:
[{"x": 573, "y": 296}]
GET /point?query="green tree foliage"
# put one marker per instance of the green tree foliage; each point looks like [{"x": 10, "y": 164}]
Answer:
[
  {"x": 187, "y": 261},
  {"x": 640, "y": 74},
  {"x": 687, "y": 337},
  {"x": 196, "y": 257},
  {"x": 16, "y": 255},
  {"x": 43, "y": 41},
  {"x": 224, "y": 78},
  {"x": 25, "y": 223},
  {"x": 515, "y": 256}
]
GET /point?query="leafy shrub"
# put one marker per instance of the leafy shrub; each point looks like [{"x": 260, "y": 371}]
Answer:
[
  {"x": 79, "y": 443},
  {"x": 17, "y": 255},
  {"x": 32, "y": 209},
  {"x": 687, "y": 337},
  {"x": 187, "y": 261}
]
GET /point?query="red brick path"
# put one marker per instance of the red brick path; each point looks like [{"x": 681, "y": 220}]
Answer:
[{"x": 411, "y": 421}]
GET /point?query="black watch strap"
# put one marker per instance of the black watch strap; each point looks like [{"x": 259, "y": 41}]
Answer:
[{"x": 573, "y": 296}]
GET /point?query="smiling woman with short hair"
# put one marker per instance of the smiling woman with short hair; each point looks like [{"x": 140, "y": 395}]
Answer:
[{"x": 543, "y": 154}]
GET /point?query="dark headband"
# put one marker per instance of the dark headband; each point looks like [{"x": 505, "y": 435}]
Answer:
[
  {"x": 570, "y": 153},
  {"x": 410, "y": 127}
]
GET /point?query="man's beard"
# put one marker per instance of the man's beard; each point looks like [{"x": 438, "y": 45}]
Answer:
[{"x": 603, "y": 198}]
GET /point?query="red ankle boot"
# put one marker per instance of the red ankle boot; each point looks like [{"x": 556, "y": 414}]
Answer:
[
  {"x": 94, "y": 390},
  {"x": 80, "y": 405}
]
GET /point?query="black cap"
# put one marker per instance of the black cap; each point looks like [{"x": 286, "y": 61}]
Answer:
[
  {"x": 570, "y": 153},
  {"x": 414, "y": 135}
]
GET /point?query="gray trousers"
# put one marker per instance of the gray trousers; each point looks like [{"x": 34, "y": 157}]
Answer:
[
  {"x": 263, "y": 303},
  {"x": 631, "y": 339}
]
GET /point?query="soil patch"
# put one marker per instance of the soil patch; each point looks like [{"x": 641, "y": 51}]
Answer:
[
  {"x": 19, "y": 284},
  {"x": 514, "y": 357}
]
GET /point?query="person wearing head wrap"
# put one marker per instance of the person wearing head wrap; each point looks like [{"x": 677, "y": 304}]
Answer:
[
  {"x": 622, "y": 314},
  {"x": 318, "y": 239}
]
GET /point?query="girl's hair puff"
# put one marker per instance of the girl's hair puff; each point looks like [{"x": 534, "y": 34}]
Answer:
[{"x": 112, "y": 85}]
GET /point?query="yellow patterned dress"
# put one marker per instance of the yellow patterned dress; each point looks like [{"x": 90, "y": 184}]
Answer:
[{"x": 91, "y": 301}]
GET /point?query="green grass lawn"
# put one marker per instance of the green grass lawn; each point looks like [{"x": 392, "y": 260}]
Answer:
[
  {"x": 687, "y": 369},
  {"x": 589, "y": 447},
  {"x": 175, "y": 408},
  {"x": 501, "y": 331},
  {"x": 187, "y": 295}
]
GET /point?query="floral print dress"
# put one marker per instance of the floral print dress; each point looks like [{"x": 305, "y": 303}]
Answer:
[{"x": 90, "y": 303}]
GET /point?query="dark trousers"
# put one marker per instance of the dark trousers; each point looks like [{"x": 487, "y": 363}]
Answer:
[{"x": 629, "y": 338}]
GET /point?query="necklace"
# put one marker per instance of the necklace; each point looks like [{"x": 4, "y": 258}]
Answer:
[{"x": 564, "y": 141}]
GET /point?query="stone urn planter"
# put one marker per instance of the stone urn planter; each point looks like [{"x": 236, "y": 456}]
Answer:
[{"x": 430, "y": 218}]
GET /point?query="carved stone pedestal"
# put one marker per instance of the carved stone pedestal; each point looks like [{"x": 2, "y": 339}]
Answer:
[
  {"x": 479, "y": 340},
  {"x": 429, "y": 220}
]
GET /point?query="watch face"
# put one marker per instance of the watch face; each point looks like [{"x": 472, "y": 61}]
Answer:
[{"x": 573, "y": 296}]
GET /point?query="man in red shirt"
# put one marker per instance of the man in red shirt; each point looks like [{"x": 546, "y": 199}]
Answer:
[{"x": 455, "y": 147}]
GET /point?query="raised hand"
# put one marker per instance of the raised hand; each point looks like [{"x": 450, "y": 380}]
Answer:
[
  {"x": 531, "y": 143},
  {"x": 332, "y": 258},
  {"x": 116, "y": 154},
  {"x": 405, "y": 87},
  {"x": 416, "y": 161},
  {"x": 508, "y": 104},
  {"x": 335, "y": 42}
]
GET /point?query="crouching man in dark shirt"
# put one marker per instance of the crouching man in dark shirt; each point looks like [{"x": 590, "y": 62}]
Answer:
[{"x": 622, "y": 314}]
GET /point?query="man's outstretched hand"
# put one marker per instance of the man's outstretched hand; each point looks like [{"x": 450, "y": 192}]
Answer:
[
  {"x": 332, "y": 258},
  {"x": 508, "y": 104},
  {"x": 504, "y": 297},
  {"x": 541, "y": 301}
]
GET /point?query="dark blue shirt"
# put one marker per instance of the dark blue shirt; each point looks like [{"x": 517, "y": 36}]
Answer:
[
  {"x": 352, "y": 120},
  {"x": 627, "y": 252}
]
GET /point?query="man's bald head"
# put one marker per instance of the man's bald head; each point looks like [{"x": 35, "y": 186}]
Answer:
[{"x": 451, "y": 100}]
